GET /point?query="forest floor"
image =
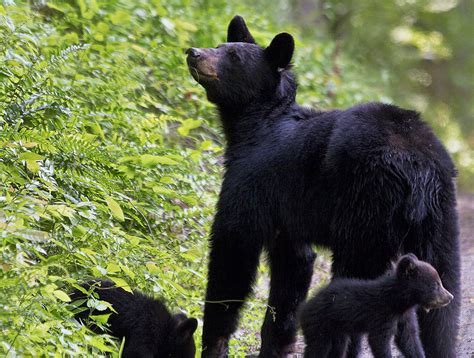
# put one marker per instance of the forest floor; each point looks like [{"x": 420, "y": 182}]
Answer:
[{"x": 466, "y": 334}]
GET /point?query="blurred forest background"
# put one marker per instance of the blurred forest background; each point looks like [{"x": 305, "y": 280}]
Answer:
[{"x": 110, "y": 154}]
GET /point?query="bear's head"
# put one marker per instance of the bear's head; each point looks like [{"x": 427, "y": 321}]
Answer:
[
  {"x": 181, "y": 342},
  {"x": 421, "y": 281},
  {"x": 239, "y": 72}
]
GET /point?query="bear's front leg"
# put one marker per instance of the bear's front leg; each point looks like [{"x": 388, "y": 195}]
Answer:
[
  {"x": 291, "y": 265},
  {"x": 379, "y": 342},
  {"x": 407, "y": 337},
  {"x": 235, "y": 246}
]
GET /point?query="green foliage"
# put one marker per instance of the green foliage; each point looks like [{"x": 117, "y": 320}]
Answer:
[
  {"x": 110, "y": 157},
  {"x": 419, "y": 49},
  {"x": 103, "y": 171}
]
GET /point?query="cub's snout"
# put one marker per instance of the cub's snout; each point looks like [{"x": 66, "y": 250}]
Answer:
[{"x": 445, "y": 298}]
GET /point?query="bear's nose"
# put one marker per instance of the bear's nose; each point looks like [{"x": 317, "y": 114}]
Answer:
[
  {"x": 193, "y": 52},
  {"x": 450, "y": 297}
]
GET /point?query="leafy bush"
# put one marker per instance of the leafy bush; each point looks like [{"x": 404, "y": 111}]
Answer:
[
  {"x": 103, "y": 171},
  {"x": 110, "y": 157}
]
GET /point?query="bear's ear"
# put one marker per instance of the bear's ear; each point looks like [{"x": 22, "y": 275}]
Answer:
[
  {"x": 280, "y": 50},
  {"x": 407, "y": 266},
  {"x": 238, "y": 31},
  {"x": 187, "y": 327}
]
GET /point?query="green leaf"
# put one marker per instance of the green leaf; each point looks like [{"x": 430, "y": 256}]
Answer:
[
  {"x": 120, "y": 282},
  {"x": 98, "y": 342},
  {"x": 167, "y": 180},
  {"x": 152, "y": 268},
  {"x": 189, "y": 124},
  {"x": 115, "y": 208},
  {"x": 164, "y": 191},
  {"x": 63, "y": 296},
  {"x": 149, "y": 160},
  {"x": 61, "y": 210},
  {"x": 30, "y": 156},
  {"x": 32, "y": 166},
  {"x": 120, "y": 17},
  {"x": 99, "y": 305},
  {"x": 101, "y": 318},
  {"x": 113, "y": 268},
  {"x": 128, "y": 271},
  {"x": 79, "y": 231}
]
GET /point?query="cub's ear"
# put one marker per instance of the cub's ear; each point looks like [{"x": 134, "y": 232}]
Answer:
[
  {"x": 407, "y": 266},
  {"x": 187, "y": 327},
  {"x": 238, "y": 31},
  {"x": 280, "y": 50}
]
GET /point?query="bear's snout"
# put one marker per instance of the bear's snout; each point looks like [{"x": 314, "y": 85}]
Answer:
[
  {"x": 202, "y": 64},
  {"x": 193, "y": 52},
  {"x": 447, "y": 297},
  {"x": 443, "y": 299}
]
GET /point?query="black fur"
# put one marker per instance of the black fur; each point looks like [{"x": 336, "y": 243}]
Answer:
[
  {"x": 370, "y": 183},
  {"x": 354, "y": 306},
  {"x": 148, "y": 327}
]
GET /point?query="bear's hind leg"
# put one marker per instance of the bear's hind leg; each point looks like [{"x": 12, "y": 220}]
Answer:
[
  {"x": 436, "y": 240},
  {"x": 339, "y": 346},
  {"x": 318, "y": 346},
  {"x": 354, "y": 346},
  {"x": 439, "y": 328}
]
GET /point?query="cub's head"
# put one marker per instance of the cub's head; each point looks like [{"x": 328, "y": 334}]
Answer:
[
  {"x": 421, "y": 279},
  {"x": 181, "y": 341},
  {"x": 240, "y": 72}
]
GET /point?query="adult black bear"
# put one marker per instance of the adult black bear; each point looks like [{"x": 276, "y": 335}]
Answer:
[
  {"x": 370, "y": 182},
  {"x": 355, "y": 306},
  {"x": 148, "y": 327}
]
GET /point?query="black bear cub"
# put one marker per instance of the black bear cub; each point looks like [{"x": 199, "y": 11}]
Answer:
[
  {"x": 351, "y": 306},
  {"x": 148, "y": 327}
]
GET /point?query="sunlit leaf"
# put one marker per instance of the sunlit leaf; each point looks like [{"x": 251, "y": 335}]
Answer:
[
  {"x": 115, "y": 208},
  {"x": 63, "y": 296},
  {"x": 30, "y": 156},
  {"x": 121, "y": 283},
  {"x": 149, "y": 160}
]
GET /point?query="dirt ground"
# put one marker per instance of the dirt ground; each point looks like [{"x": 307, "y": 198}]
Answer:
[{"x": 466, "y": 334}]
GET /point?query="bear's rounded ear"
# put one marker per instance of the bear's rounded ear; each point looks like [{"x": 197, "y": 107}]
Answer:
[
  {"x": 238, "y": 31},
  {"x": 187, "y": 327},
  {"x": 280, "y": 50},
  {"x": 407, "y": 265}
]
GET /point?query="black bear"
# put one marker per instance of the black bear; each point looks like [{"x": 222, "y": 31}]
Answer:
[
  {"x": 370, "y": 183},
  {"x": 148, "y": 327},
  {"x": 355, "y": 306}
]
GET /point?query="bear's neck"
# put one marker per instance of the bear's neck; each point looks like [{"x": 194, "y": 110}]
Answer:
[
  {"x": 397, "y": 298},
  {"x": 245, "y": 123}
]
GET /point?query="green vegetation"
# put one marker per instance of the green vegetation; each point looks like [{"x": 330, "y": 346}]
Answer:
[
  {"x": 420, "y": 53},
  {"x": 110, "y": 155}
]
